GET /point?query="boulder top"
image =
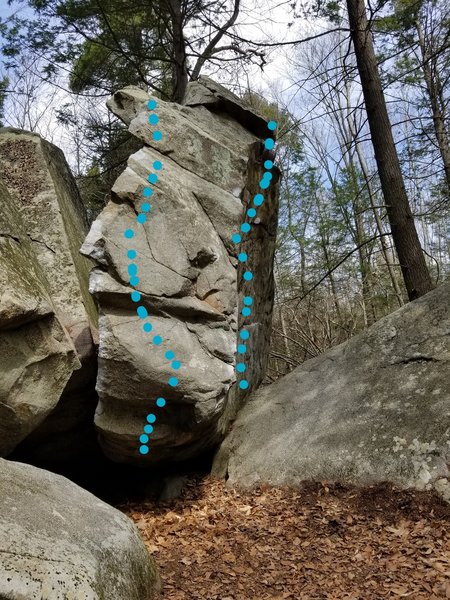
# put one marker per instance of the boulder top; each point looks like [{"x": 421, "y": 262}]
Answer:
[
  {"x": 218, "y": 98},
  {"x": 127, "y": 102}
]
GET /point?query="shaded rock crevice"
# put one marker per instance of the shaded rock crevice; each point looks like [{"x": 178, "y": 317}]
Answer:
[
  {"x": 10, "y": 236},
  {"x": 43, "y": 243},
  {"x": 414, "y": 359}
]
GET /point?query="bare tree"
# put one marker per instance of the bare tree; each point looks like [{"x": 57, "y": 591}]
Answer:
[
  {"x": 415, "y": 272},
  {"x": 30, "y": 102}
]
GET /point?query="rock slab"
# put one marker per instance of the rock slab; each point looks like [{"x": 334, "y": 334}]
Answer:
[
  {"x": 59, "y": 542},
  {"x": 376, "y": 408}
]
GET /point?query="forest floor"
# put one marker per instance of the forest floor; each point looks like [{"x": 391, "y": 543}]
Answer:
[{"x": 326, "y": 542}]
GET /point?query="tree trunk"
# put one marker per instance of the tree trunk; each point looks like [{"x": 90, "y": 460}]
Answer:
[
  {"x": 414, "y": 269},
  {"x": 285, "y": 339},
  {"x": 372, "y": 200},
  {"x": 379, "y": 223},
  {"x": 180, "y": 74},
  {"x": 329, "y": 267}
]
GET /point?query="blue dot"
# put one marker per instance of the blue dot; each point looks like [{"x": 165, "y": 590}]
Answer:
[
  {"x": 147, "y": 192},
  {"x": 272, "y": 125},
  {"x": 258, "y": 199},
  {"x": 244, "y": 334},
  {"x": 251, "y": 212},
  {"x": 146, "y": 207},
  {"x": 267, "y": 175},
  {"x": 148, "y": 428},
  {"x": 142, "y": 312},
  {"x": 129, "y": 233},
  {"x": 243, "y": 384},
  {"x": 143, "y": 438},
  {"x": 173, "y": 381},
  {"x": 141, "y": 218},
  {"x": 134, "y": 280},
  {"x": 268, "y": 164},
  {"x": 157, "y": 165},
  {"x": 176, "y": 364},
  {"x": 269, "y": 143},
  {"x": 157, "y": 340},
  {"x": 153, "y": 119},
  {"x": 135, "y": 296},
  {"x": 242, "y": 348},
  {"x": 160, "y": 402},
  {"x": 153, "y": 177},
  {"x": 170, "y": 354},
  {"x": 246, "y": 311},
  {"x": 157, "y": 136},
  {"x": 248, "y": 275},
  {"x": 143, "y": 449},
  {"x": 240, "y": 367},
  {"x": 152, "y": 104},
  {"x": 131, "y": 254},
  {"x": 264, "y": 184},
  {"x": 147, "y": 327},
  {"x": 248, "y": 300},
  {"x": 245, "y": 227},
  {"x": 242, "y": 257},
  {"x": 236, "y": 238},
  {"x": 132, "y": 269},
  {"x": 151, "y": 418}
]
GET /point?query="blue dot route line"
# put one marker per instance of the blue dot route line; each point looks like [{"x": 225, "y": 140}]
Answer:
[{"x": 133, "y": 270}]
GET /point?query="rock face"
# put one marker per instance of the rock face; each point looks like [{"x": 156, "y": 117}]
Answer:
[
  {"x": 47, "y": 316},
  {"x": 37, "y": 356},
  {"x": 376, "y": 408},
  {"x": 188, "y": 271},
  {"x": 58, "y": 541}
]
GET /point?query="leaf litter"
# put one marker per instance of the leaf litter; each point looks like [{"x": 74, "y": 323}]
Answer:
[{"x": 322, "y": 541}]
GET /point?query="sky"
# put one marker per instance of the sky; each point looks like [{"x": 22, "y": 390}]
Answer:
[{"x": 6, "y": 10}]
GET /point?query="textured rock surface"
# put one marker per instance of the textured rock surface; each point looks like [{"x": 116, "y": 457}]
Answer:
[
  {"x": 205, "y": 92},
  {"x": 58, "y": 542},
  {"x": 37, "y": 355},
  {"x": 44, "y": 280},
  {"x": 375, "y": 408},
  {"x": 188, "y": 277}
]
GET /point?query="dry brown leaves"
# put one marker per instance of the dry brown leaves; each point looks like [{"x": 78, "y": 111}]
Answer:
[{"x": 321, "y": 542}]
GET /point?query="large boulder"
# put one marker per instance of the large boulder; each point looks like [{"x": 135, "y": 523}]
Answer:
[
  {"x": 57, "y": 541},
  {"x": 37, "y": 356},
  {"x": 375, "y": 408},
  {"x": 189, "y": 275},
  {"x": 44, "y": 285}
]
